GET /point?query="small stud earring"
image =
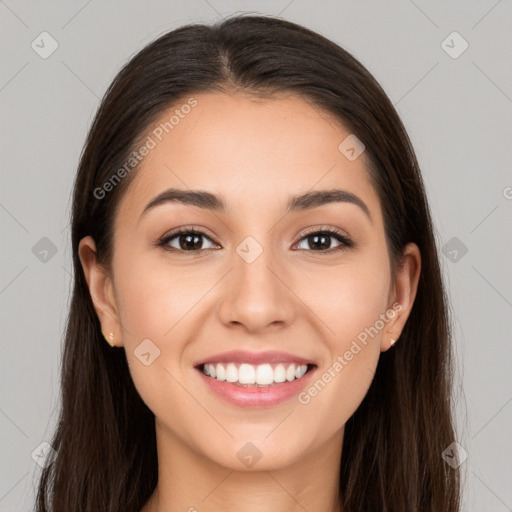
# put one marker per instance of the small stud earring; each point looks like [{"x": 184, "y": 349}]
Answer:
[
  {"x": 392, "y": 341},
  {"x": 111, "y": 336}
]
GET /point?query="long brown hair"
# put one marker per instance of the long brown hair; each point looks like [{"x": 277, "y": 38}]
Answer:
[{"x": 105, "y": 438}]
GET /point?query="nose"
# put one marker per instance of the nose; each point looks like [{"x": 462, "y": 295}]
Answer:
[{"x": 256, "y": 295}]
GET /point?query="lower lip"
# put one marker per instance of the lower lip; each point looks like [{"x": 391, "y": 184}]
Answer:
[{"x": 256, "y": 396}]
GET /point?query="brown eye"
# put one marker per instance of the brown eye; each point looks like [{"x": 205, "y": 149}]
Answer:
[
  {"x": 185, "y": 240},
  {"x": 321, "y": 241}
]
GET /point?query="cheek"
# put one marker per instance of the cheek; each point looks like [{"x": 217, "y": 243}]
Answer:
[
  {"x": 343, "y": 380},
  {"x": 338, "y": 391},
  {"x": 349, "y": 299},
  {"x": 156, "y": 303},
  {"x": 351, "y": 303},
  {"x": 153, "y": 299}
]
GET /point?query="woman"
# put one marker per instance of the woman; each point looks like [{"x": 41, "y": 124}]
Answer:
[{"x": 251, "y": 237}]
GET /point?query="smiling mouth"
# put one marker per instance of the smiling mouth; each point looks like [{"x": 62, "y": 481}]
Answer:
[{"x": 261, "y": 375}]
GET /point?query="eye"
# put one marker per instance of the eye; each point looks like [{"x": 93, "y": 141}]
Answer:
[
  {"x": 187, "y": 240},
  {"x": 321, "y": 241},
  {"x": 191, "y": 240}
]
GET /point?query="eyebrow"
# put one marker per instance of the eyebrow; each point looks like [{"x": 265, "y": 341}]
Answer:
[{"x": 301, "y": 202}]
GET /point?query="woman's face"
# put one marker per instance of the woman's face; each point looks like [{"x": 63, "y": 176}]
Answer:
[{"x": 257, "y": 279}]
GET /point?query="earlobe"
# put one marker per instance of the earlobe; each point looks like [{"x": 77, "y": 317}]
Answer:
[
  {"x": 404, "y": 292},
  {"x": 100, "y": 286}
]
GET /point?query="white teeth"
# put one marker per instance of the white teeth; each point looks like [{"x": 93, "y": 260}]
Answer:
[
  {"x": 246, "y": 374},
  {"x": 261, "y": 375},
  {"x": 264, "y": 374},
  {"x": 221, "y": 372},
  {"x": 231, "y": 373},
  {"x": 279, "y": 373},
  {"x": 300, "y": 371}
]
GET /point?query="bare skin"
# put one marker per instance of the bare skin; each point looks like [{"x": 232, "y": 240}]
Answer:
[{"x": 255, "y": 155}]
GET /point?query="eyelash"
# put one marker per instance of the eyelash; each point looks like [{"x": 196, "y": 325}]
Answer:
[{"x": 345, "y": 242}]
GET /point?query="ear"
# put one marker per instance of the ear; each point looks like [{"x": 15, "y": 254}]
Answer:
[
  {"x": 102, "y": 291},
  {"x": 403, "y": 293}
]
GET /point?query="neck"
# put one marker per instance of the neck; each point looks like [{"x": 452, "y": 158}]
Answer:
[{"x": 188, "y": 481}]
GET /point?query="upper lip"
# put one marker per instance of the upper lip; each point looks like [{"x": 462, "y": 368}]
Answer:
[{"x": 255, "y": 358}]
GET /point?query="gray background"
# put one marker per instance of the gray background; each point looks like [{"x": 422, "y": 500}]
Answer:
[{"x": 458, "y": 112}]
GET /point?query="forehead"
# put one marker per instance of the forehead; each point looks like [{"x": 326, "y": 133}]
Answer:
[{"x": 246, "y": 150}]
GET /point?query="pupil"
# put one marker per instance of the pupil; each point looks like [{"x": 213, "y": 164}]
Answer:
[
  {"x": 326, "y": 244},
  {"x": 190, "y": 241}
]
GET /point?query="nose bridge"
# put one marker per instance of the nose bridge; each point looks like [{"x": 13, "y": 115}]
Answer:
[{"x": 255, "y": 296}]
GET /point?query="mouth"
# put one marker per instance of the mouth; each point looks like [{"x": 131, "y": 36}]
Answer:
[
  {"x": 255, "y": 376},
  {"x": 251, "y": 380}
]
